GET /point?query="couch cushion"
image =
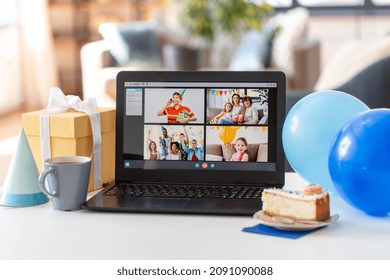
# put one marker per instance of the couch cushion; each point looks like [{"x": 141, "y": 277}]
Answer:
[
  {"x": 132, "y": 42},
  {"x": 211, "y": 113},
  {"x": 214, "y": 149},
  {"x": 214, "y": 152},
  {"x": 254, "y": 51},
  {"x": 213, "y": 157},
  {"x": 262, "y": 153},
  {"x": 349, "y": 59},
  {"x": 372, "y": 85},
  {"x": 292, "y": 29}
]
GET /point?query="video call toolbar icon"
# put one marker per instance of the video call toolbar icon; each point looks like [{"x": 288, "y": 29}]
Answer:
[{"x": 205, "y": 165}]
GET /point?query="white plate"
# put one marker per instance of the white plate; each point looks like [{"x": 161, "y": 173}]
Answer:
[{"x": 291, "y": 225}]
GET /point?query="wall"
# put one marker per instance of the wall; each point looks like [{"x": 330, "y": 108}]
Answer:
[{"x": 10, "y": 82}]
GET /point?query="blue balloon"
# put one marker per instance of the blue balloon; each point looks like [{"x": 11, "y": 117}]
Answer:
[
  {"x": 310, "y": 128},
  {"x": 359, "y": 162}
]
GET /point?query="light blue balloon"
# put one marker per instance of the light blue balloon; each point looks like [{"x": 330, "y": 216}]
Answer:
[
  {"x": 310, "y": 128},
  {"x": 359, "y": 162}
]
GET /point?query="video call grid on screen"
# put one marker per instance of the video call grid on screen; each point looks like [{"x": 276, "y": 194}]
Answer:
[{"x": 202, "y": 125}]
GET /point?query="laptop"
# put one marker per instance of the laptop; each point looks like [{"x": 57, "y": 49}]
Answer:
[{"x": 195, "y": 142}]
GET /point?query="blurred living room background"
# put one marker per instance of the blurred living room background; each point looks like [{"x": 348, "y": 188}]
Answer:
[{"x": 80, "y": 45}]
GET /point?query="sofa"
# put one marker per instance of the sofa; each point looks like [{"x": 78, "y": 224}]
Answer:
[
  {"x": 224, "y": 152},
  {"x": 357, "y": 67},
  {"x": 133, "y": 46},
  {"x": 289, "y": 51}
]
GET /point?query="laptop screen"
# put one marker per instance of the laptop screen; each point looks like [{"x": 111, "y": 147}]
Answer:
[{"x": 200, "y": 126}]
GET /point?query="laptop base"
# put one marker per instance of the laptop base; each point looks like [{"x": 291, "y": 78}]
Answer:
[{"x": 176, "y": 205}]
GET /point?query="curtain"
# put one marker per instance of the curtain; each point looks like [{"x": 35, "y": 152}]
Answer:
[{"x": 39, "y": 69}]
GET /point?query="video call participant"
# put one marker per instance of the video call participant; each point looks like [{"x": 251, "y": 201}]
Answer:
[
  {"x": 251, "y": 114},
  {"x": 241, "y": 146},
  {"x": 165, "y": 143},
  {"x": 194, "y": 152},
  {"x": 176, "y": 113},
  {"x": 174, "y": 152},
  {"x": 236, "y": 111},
  {"x": 183, "y": 143},
  {"x": 153, "y": 152}
]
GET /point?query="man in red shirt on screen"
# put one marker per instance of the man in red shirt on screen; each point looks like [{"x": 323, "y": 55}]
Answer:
[{"x": 177, "y": 113}]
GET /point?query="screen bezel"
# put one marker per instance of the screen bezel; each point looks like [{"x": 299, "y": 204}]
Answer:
[{"x": 276, "y": 177}]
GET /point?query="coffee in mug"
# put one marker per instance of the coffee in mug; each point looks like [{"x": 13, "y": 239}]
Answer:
[{"x": 67, "y": 181}]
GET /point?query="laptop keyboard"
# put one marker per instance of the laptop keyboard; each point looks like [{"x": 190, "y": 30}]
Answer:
[{"x": 186, "y": 191}]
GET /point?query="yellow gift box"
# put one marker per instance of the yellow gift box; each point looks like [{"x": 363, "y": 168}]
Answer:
[{"x": 71, "y": 135}]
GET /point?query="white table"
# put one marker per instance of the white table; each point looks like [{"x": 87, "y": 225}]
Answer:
[{"x": 39, "y": 232}]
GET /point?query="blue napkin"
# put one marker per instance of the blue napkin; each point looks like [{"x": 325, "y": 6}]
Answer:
[{"x": 266, "y": 230}]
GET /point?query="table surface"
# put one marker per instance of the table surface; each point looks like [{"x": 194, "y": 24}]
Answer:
[{"x": 39, "y": 232}]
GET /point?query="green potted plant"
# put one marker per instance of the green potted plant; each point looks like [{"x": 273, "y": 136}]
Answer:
[{"x": 206, "y": 18}]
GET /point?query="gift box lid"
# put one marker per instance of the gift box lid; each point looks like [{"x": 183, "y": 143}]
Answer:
[{"x": 71, "y": 124}]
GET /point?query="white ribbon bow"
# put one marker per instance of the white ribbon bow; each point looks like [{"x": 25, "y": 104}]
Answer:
[{"x": 59, "y": 103}]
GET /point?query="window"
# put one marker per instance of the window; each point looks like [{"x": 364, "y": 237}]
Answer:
[
  {"x": 326, "y": 5},
  {"x": 8, "y": 12},
  {"x": 280, "y": 3},
  {"x": 330, "y": 3},
  {"x": 381, "y": 2}
]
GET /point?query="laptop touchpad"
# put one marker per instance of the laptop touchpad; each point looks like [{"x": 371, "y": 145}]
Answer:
[{"x": 151, "y": 202}]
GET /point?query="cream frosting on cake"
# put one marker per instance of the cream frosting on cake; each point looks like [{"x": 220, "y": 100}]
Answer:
[{"x": 311, "y": 204}]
